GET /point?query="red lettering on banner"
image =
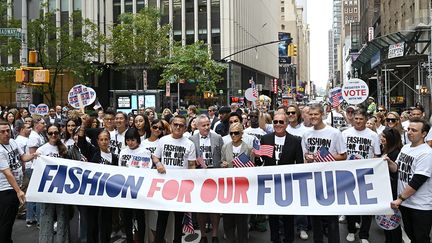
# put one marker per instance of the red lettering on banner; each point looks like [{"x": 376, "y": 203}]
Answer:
[
  {"x": 184, "y": 193},
  {"x": 170, "y": 190},
  {"x": 154, "y": 187},
  {"x": 208, "y": 191},
  {"x": 241, "y": 186},
  {"x": 361, "y": 92},
  {"x": 229, "y": 190}
]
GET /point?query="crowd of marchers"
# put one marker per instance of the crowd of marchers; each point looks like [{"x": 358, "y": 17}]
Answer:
[{"x": 218, "y": 138}]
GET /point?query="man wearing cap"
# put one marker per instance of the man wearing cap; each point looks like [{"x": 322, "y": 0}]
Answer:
[
  {"x": 223, "y": 126},
  {"x": 349, "y": 115},
  {"x": 371, "y": 105}
]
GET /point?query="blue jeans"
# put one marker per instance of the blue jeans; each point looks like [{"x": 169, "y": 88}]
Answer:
[{"x": 33, "y": 209}]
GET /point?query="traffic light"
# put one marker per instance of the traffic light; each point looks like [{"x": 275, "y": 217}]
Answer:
[
  {"x": 290, "y": 50},
  {"x": 294, "y": 50},
  {"x": 41, "y": 76},
  {"x": 33, "y": 57},
  {"x": 22, "y": 76}
]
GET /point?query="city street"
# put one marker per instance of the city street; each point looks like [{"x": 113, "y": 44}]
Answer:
[{"x": 22, "y": 234}]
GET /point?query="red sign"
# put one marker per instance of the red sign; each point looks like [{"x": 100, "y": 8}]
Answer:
[{"x": 275, "y": 85}]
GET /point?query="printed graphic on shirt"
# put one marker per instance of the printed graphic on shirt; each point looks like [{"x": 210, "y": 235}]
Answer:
[
  {"x": 104, "y": 161},
  {"x": 115, "y": 146},
  {"x": 405, "y": 162},
  {"x": 278, "y": 152},
  {"x": 313, "y": 144},
  {"x": 13, "y": 159},
  {"x": 135, "y": 161},
  {"x": 358, "y": 147},
  {"x": 173, "y": 155},
  {"x": 207, "y": 155}
]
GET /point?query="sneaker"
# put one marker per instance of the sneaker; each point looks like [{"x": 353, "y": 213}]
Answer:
[
  {"x": 55, "y": 227},
  {"x": 357, "y": 225},
  {"x": 29, "y": 224},
  {"x": 350, "y": 237},
  {"x": 364, "y": 241},
  {"x": 113, "y": 234},
  {"x": 303, "y": 235},
  {"x": 342, "y": 219}
]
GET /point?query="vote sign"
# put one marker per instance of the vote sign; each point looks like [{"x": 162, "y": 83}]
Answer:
[
  {"x": 389, "y": 222},
  {"x": 355, "y": 91},
  {"x": 87, "y": 95}
]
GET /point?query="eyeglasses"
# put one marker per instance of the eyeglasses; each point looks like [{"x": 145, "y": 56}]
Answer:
[
  {"x": 278, "y": 122},
  {"x": 158, "y": 128},
  {"x": 235, "y": 133},
  {"x": 179, "y": 125},
  {"x": 392, "y": 120},
  {"x": 291, "y": 112},
  {"x": 53, "y": 133}
]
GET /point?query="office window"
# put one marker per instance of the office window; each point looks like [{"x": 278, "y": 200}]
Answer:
[
  {"x": 282, "y": 9},
  {"x": 282, "y": 27}
]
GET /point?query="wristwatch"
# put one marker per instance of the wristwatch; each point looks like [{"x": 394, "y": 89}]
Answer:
[{"x": 401, "y": 197}]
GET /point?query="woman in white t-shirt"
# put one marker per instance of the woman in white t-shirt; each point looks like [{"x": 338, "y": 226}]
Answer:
[
  {"x": 157, "y": 129},
  {"x": 142, "y": 124},
  {"x": 49, "y": 212},
  {"x": 138, "y": 157},
  {"x": 67, "y": 139},
  {"x": 230, "y": 151}
]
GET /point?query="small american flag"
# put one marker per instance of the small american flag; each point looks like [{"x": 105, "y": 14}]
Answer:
[
  {"x": 323, "y": 155},
  {"x": 336, "y": 96},
  {"x": 254, "y": 89},
  {"x": 262, "y": 150},
  {"x": 242, "y": 161},
  {"x": 188, "y": 224},
  {"x": 200, "y": 159}
]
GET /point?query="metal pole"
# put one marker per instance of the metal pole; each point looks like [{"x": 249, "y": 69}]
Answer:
[
  {"x": 178, "y": 94},
  {"x": 228, "y": 81},
  {"x": 430, "y": 53},
  {"x": 418, "y": 81},
  {"x": 386, "y": 95},
  {"x": 24, "y": 49}
]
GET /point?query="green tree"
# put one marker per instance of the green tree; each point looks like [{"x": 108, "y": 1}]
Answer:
[
  {"x": 138, "y": 42},
  {"x": 193, "y": 62},
  {"x": 70, "y": 48}
]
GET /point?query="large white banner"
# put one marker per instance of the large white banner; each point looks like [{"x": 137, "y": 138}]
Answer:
[{"x": 360, "y": 187}]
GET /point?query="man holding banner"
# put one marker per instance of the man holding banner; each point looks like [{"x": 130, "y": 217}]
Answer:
[
  {"x": 208, "y": 147},
  {"x": 286, "y": 150},
  {"x": 323, "y": 143},
  {"x": 174, "y": 151}
]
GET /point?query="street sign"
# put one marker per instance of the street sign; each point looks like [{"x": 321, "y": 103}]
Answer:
[
  {"x": 23, "y": 96},
  {"x": 11, "y": 32}
]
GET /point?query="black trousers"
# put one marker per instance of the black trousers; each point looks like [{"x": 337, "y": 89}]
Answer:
[
  {"x": 8, "y": 210},
  {"x": 99, "y": 224},
  {"x": 288, "y": 228},
  {"x": 162, "y": 223},
  {"x": 364, "y": 226},
  {"x": 417, "y": 224},
  {"x": 332, "y": 223},
  {"x": 139, "y": 215}
]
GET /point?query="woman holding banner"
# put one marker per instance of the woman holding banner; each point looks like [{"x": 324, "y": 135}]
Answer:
[
  {"x": 236, "y": 154},
  {"x": 49, "y": 212}
]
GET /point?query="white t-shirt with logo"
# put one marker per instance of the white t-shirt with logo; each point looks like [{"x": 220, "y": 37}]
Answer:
[
  {"x": 150, "y": 146},
  {"x": 175, "y": 153},
  {"x": 106, "y": 158},
  {"x": 205, "y": 151},
  {"x": 10, "y": 158},
  {"x": 416, "y": 160},
  {"x": 279, "y": 143},
  {"x": 117, "y": 141},
  {"x": 48, "y": 150},
  {"x": 35, "y": 140},
  {"x": 136, "y": 158},
  {"x": 338, "y": 119},
  {"x": 68, "y": 143},
  {"x": 248, "y": 139},
  {"x": 361, "y": 144},
  {"x": 22, "y": 143},
  {"x": 236, "y": 150},
  {"x": 256, "y": 132},
  {"x": 328, "y": 137},
  {"x": 298, "y": 131}
]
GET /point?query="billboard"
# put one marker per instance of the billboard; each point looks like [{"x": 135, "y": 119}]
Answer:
[{"x": 285, "y": 40}]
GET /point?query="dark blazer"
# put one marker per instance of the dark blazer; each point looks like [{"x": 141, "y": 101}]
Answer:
[
  {"x": 93, "y": 153},
  {"x": 291, "y": 151},
  {"x": 57, "y": 121},
  {"x": 216, "y": 119}
]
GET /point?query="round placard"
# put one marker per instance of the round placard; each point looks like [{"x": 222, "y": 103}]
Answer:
[
  {"x": 251, "y": 95},
  {"x": 355, "y": 91},
  {"x": 389, "y": 222}
]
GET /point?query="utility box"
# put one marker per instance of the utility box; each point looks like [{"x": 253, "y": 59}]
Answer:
[{"x": 41, "y": 76}]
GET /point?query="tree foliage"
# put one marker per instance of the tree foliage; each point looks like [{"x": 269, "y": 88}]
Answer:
[
  {"x": 193, "y": 62},
  {"x": 138, "y": 41},
  {"x": 71, "y": 48}
]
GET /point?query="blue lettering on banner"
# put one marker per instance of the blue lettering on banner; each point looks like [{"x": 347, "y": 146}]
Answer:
[
  {"x": 339, "y": 186},
  {"x": 99, "y": 183}
]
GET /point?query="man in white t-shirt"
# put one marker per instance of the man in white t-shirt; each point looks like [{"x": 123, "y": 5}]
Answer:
[
  {"x": 37, "y": 135},
  {"x": 295, "y": 127},
  {"x": 117, "y": 140},
  {"x": 414, "y": 184},
  {"x": 254, "y": 129},
  {"x": 174, "y": 151},
  {"x": 322, "y": 135},
  {"x": 362, "y": 143},
  {"x": 11, "y": 194}
]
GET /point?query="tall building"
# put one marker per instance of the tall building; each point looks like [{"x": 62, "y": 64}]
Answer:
[
  {"x": 337, "y": 51},
  {"x": 228, "y": 27},
  {"x": 349, "y": 37}
]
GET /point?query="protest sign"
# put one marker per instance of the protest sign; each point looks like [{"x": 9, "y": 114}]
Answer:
[
  {"x": 355, "y": 91},
  {"x": 389, "y": 222},
  {"x": 87, "y": 95},
  {"x": 360, "y": 187}
]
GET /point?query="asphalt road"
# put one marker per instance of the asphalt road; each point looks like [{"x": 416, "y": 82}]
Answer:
[{"x": 22, "y": 234}]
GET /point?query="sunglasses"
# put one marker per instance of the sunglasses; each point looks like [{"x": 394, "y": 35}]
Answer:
[
  {"x": 179, "y": 125},
  {"x": 53, "y": 133},
  {"x": 392, "y": 120},
  {"x": 278, "y": 122},
  {"x": 157, "y": 127},
  {"x": 291, "y": 112},
  {"x": 234, "y": 133}
]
